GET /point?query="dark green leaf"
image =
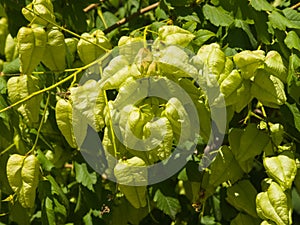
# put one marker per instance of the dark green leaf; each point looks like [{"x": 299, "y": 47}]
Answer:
[
  {"x": 292, "y": 40},
  {"x": 2, "y": 85},
  {"x": 217, "y": 15},
  {"x": 292, "y": 15},
  {"x": 245, "y": 27},
  {"x": 169, "y": 205},
  {"x": 202, "y": 36},
  {"x": 261, "y": 5},
  {"x": 279, "y": 21},
  {"x": 84, "y": 177}
]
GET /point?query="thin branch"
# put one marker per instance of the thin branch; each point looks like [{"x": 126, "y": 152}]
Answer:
[
  {"x": 56, "y": 84},
  {"x": 90, "y": 7},
  {"x": 125, "y": 20},
  {"x": 295, "y": 6}
]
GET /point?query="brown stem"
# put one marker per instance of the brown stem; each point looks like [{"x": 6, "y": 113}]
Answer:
[
  {"x": 90, "y": 7},
  {"x": 125, "y": 20},
  {"x": 295, "y": 6}
]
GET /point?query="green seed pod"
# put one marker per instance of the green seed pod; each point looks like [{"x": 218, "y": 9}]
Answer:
[
  {"x": 229, "y": 87},
  {"x": 20, "y": 88},
  {"x": 43, "y": 8},
  {"x": 273, "y": 205},
  {"x": 63, "y": 114},
  {"x": 248, "y": 61},
  {"x": 95, "y": 48},
  {"x": 174, "y": 35},
  {"x": 282, "y": 169},
  {"x": 133, "y": 170},
  {"x": 275, "y": 66},
  {"x": 1, "y": 65},
  {"x": 136, "y": 121},
  {"x": 71, "y": 49},
  {"x": 3, "y": 34},
  {"x": 23, "y": 177},
  {"x": 31, "y": 43},
  {"x": 55, "y": 53},
  {"x": 10, "y": 51}
]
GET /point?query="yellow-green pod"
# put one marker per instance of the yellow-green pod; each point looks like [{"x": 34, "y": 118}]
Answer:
[
  {"x": 43, "y": 8},
  {"x": 94, "y": 48},
  {"x": 54, "y": 57},
  {"x": 23, "y": 177},
  {"x": 64, "y": 118},
  {"x": 3, "y": 34},
  {"x": 133, "y": 171},
  {"x": 31, "y": 43},
  {"x": 71, "y": 49},
  {"x": 10, "y": 50}
]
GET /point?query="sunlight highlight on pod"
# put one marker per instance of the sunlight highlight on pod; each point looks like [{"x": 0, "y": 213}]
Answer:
[{"x": 154, "y": 104}]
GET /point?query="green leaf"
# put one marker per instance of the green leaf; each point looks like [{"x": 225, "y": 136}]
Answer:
[
  {"x": 261, "y": 5},
  {"x": 292, "y": 15},
  {"x": 277, "y": 132},
  {"x": 12, "y": 67},
  {"x": 217, "y": 15},
  {"x": 292, "y": 79},
  {"x": 273, "y": 205},
  {"x": 245, "y": 219},
  {"x": 23, "y": 177},
  {"x": 282, "y": 169},
  {"x": 45, "y": 163},
  {"x": 202, "y": 36},
  {"x": 125, "y": 212},
  {"x": 19, "y": 214},
  {"x": 223, "y": 168},
  {"x": 244, "y": 149},
  {"x": 268, "y": 89},
  {"x": 242, "y": 196},
  {"x": 3, "y": 104},
  {"x": 244, "y": 25},
  {"x": 190, "y": 26},
  {"x": 279, "y": 21},
  {"x": 84, "y": 177},
  {"x": 292, "y": 40},
  {"x": 295, "y": 115},
  {"x": 169, "y": 205}
]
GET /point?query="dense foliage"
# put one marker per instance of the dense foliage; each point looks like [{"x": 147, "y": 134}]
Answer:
[{"x": 242, "y": 51}]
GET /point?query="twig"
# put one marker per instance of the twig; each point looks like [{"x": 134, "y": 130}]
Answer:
[
  {"x": 125, "y": 20},
  {"x": 295, "y": 6},
  {"x": 90, "y": 7},
  {"x": 56, "y": 84}
]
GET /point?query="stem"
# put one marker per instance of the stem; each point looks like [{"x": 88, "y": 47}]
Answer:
[
  {"x": 41, "y": 124},
  {"x": 7, "y": 149},
  {"x": 54, "y": 85},
  {"x": 100, "y": 14},
  {"x": 134, "y": 15},
  {"x": 295, "y": 6}
]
